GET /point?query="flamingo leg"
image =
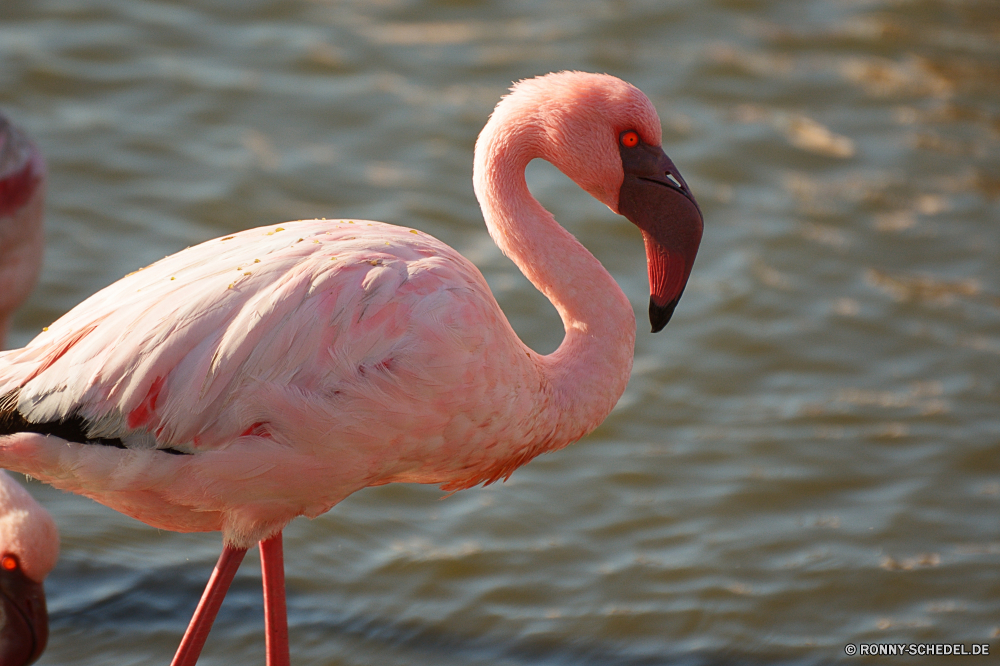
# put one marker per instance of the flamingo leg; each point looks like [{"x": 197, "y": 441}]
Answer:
[
  {"x": 272, "y": 566},
  {"x": 211, "y": 600}
]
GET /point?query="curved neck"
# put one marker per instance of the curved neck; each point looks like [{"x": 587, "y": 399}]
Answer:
[{"x": 587, "y": 374}]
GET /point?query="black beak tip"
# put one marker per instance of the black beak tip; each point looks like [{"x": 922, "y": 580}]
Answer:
[{"x": 659, "y": 315}]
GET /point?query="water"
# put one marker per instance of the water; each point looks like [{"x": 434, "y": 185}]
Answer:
[{"x": 808, "y": 456}]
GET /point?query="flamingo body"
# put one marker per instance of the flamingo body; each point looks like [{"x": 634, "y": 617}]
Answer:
[
  {"x": 269, "y": 374},
  {"x": 272, "y": 356}
]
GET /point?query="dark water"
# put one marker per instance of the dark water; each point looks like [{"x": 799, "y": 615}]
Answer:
[{"x": 808, "y": 456}]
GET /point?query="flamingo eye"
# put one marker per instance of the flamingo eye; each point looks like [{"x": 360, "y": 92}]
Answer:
[
  {"x": 630, "y": 138},
  {"x": 8, "y": 562}
]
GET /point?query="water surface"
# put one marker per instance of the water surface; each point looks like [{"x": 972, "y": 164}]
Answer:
[{"x": 807, "y": 456}]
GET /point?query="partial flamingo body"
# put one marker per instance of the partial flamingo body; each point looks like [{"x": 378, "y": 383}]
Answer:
[
  {"x": 29, "y": 542},
  {"x": 22, "y": 202},
  {"x": 269, "y": 374},
  {"x": 29, "y": 548}
]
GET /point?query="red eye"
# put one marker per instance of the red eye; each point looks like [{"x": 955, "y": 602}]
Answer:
[
  {"x": 630, "y": 139},
  {"x": 8, "y": 562}
]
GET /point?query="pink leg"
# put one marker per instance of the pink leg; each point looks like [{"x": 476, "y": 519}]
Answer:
[
  {"x": 201, "y": 623},
  {"x": 272, "y": 565}
]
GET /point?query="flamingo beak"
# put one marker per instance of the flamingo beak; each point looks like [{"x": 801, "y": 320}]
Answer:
[
  {"x": 24, "y": 621},
  {"x": 655, "y": 198}
]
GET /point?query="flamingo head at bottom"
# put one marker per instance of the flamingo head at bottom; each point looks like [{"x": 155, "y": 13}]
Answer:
[{"x": 24, "y": 620}]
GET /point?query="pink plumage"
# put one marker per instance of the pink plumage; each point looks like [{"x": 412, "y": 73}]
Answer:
[
  {"x": 269, "y": 374},
  {"x": 22, "y": 200},
  {"x": 29, "y": 548},
  {"x": 29, "y": 541}
]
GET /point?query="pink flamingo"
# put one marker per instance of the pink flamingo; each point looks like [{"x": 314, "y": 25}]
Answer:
[
  {"x": 29, "y": 542},
  {"x": 22, "y": 202},
  {"x": 271, "y": 373},
  {"x": 29, "y": 548}
]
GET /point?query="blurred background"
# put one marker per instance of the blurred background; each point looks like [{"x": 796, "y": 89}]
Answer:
[{"x": 807, "y": 456}]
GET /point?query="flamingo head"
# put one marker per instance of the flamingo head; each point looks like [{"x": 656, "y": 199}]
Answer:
[
  {"x": 29, "y": 549},
  {"x": 24, "y": 620},
  {"x": 654, "y": 196},
  {"x": 605, "y": 134}
]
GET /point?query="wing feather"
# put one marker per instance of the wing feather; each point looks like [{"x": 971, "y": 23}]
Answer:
[{"x": 167, "y": 349}]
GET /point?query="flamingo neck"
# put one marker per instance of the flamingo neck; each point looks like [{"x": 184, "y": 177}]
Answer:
[
  {"x": 588, "y": 373},
  {"x": 21, "y": 243}
]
